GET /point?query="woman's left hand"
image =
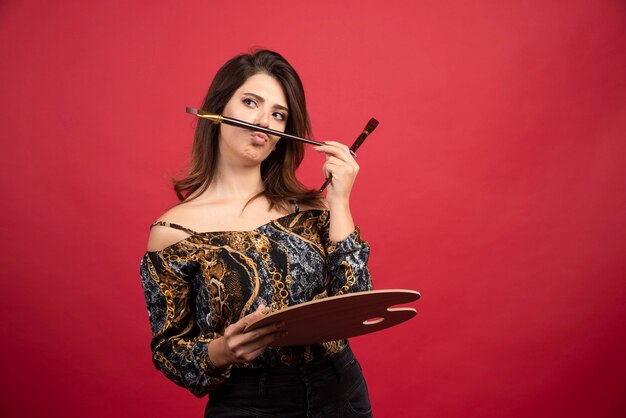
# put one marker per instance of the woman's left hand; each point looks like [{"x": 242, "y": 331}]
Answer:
[{"x": 342, "y": 168}]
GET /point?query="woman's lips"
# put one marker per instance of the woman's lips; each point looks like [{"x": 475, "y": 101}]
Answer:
[{"x": 259, "y": 138}]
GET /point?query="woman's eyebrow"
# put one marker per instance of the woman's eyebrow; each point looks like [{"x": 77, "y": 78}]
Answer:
[{"x": 261, "y": 99}]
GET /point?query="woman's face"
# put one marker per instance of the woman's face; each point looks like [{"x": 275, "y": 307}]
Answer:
[{"x": 260, "y": 101}]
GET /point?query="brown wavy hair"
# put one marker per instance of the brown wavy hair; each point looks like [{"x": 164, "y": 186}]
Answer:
[{"x": 278, "y": 170}]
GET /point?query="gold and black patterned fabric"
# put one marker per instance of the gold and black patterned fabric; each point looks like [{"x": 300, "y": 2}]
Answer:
[{"x": 197, "y": 287}]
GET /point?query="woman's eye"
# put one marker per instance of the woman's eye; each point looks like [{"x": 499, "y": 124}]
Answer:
[
  {"x": 249, "y": 102},
  {"x": 280, "y": 116}
]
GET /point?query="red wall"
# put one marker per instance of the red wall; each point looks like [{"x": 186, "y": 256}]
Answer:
[{"x": 495, "y": 185}]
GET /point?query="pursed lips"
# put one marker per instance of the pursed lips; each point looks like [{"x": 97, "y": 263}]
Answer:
[{"x": 260, "y": 138}]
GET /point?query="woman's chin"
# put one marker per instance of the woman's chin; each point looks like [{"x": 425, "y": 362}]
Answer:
[{"x": 256, "y": 156}]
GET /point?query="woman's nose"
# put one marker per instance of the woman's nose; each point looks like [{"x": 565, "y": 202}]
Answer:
[{"x": 263, "y": 119}]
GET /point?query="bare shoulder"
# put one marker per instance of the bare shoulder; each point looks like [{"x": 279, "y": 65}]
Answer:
[{"x": 162, "y": 236}]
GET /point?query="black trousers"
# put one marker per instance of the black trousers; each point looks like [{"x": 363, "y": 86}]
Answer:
[{"x": 333, "y": 387}]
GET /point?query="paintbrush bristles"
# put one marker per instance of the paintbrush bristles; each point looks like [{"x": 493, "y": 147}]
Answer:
[
  {"x": 205, "y": 115},
  {"x": 246, "y": 125}
]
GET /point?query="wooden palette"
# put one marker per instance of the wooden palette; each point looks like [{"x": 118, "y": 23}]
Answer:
[{"x": 340, "y": 317}]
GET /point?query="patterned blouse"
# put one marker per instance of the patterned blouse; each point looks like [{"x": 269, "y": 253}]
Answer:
[{"x": 197, "y": 287}]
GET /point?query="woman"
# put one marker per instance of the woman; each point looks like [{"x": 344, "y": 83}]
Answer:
[{"x": 266, "y": 243}]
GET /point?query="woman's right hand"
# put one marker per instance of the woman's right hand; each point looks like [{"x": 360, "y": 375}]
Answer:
[{"x": 239, "y": 347}]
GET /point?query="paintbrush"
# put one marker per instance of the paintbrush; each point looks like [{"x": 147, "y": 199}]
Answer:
[
  {"x": 217, "y": 119},
  {"x": 369, "y": 128}
]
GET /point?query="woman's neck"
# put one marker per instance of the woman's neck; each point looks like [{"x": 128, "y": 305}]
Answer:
[{"x": 235, "y": 182}]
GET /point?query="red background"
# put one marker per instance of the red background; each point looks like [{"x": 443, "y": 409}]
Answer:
[{"x": 494, "y": 185}]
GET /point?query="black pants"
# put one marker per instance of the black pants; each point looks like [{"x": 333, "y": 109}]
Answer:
[{"x": 333, "y": 387}]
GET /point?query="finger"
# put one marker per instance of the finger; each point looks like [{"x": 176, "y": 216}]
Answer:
[
  {"x": 260, "y": 344},
  {"x": 340, "y": 151},
  {"x": 255, "y": 316},
  {"x": 261, "y": 332},
  {"x": 337, "y": 162},
  {"x": 337, "y": 144},
  {"x": 250, "y": 356},
  {"x": 249, "y": 349},
  {"x": 326, "y": 171},
  {"x": 261, "y": 337},
  {"x": 341, "y": 170},
  {"x": 239, "y": 326},
  {"x": 334, "y": 160},
  {"x": 236, "y": 342},
  {"x": 259, "y": 313},
  {"x": 278, "y": 326}
]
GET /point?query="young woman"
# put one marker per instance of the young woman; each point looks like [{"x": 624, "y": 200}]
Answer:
[{"x": 248, "y": 238}]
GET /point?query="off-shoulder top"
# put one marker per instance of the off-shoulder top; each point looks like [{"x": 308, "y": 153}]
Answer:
[{"x": 197, "y": 287}]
